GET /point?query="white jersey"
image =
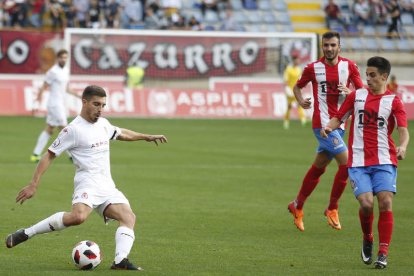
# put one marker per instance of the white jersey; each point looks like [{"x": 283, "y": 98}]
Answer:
[
  {"x": 57, "y": 78},
  {"x": 88, "y": 144}
]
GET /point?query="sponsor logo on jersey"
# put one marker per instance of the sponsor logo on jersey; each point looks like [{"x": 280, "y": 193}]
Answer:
[
  {"x": 56, "y": 143},
  {"x": 99, "y": 144}
]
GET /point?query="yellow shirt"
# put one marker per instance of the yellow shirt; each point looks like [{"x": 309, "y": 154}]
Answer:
[
  {"x": 135, "y": 77},
  {"x": 291, "y": 75}
]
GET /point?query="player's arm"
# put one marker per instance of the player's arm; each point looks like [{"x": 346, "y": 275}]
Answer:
[
  {"x": 333, "y": 124},
  {"x": 29, "y": 191},
  {"x": 130, "y": 135},
  {"x": 305, "y": 103},
  {"x": 42, "y": 89},
  {"x": 404, "y": 138},
  {"x": 70, "y": 91},
  {"x": 306, "y": 77}
]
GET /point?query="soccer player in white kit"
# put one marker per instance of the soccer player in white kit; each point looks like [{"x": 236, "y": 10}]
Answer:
[
  {"x": 87, "y": 138},
  {"x": 56, "y": 81}
]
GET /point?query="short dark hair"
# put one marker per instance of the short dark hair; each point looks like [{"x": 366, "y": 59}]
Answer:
[
  {"x": 382, "y": 64},
  {"x": 329, "y": 35},
  {"x": 93, "y": 90},
  {"x": 62, "y": 52}
]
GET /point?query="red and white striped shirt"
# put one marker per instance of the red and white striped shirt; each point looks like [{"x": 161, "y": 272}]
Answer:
[
  {"x": 325, "y": 80},
  {"x": 374, "y": 118}
]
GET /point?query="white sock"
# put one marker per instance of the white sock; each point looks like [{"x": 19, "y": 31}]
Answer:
[
  {"x": 41, "y": 142},
  {"x": 52, "y": 223},
  {"x": 124, "y": 239}
]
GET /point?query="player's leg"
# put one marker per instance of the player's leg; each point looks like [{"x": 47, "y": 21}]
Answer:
[
  {"x": 309, "y": 183},
  {"x": 362, "y": 188},
  {"x": 302, "y": 115},
  {"x": 384, "y": 185},
  {"x": 41, "y": 143},
  {"x": 55, "y": 222},
  {"x": 124, "y": 236},
  {"x": 286, "y": 120},
  {"x": 337, "y": 148}
]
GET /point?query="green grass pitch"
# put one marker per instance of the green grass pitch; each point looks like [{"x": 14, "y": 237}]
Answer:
[{"x": 210, "y": 202}]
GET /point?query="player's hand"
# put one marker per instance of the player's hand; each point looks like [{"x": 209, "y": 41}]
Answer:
[
  {"x": 26, "y": 193},
  {"x": 156, "y": 139},
  {"x": 325, "y": 131},
  {"x": 400, "y": 153},
  {"x": 344, "y": 90},
  {"x": 306, "y": 103}
]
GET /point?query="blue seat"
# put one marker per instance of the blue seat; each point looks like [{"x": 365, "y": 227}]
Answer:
[
  {"x": 280, "y": 5},
  {"x": 236, "y": 5},
  {"x": 209, "y": 28},
  {"x": 404, "y": 45},
  {"x": 387, "y": 44},
  {"x": 240, "y": 17},
  {"x": 283, "y": 18},
  {"x": 250, "y": 4},
  {"x": 357, "y": 44},
  {"x": 286, "y": 28},
  {"x": 271, "y": 28},
  {"x": 407, "y": 19},
  {"x": 264, "y": 5},
  {"x": 369, "y": 30},
  {"x": 269, "y": 18},
  {"x": 211, "y": 17},
  {"x": 254, "y": 17},
  {"x": 371, "y": 44}
]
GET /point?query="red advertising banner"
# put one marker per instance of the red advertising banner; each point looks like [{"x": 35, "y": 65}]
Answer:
[
  {"x": 28, "y": 52},
  {"x": 167, "y": 57},
  {"x": 234, "y": 98}
]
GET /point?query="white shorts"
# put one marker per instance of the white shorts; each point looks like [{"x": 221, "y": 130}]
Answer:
[
  {"x": 99, "y": 200},
  {"x": 56, "y": 116}
]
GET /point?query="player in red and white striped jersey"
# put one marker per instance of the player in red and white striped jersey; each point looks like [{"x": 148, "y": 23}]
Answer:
[
  {"x": 330, "y": 77},
  {"x": 373, "y": 155}
]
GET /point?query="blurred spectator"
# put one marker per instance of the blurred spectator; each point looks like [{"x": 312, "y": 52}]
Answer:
[
  {"x": 333, "y": 13},
  {"x": 229, "y": 23},
  {"x": 178, "y": 21},
  {"x": 153, "y": 21},
  {"x": 70, "y": 13},
  {"x": 112, "y": 14},
  {"x": 194, "y": 24},
  {"x": 394, "y": 11},
  {"x": 361, "y": 11},
  {"x": 154, "y": 5},
  {"x": 81, "y": 7},
  {"x": 408, "y": 7},
  {"x": 131, "y": 13},
  {"x": 93, "y": 17},
  {"x": 379, "y": 12},
  {"x": 208, "y": 5},
  {"x": 170, "y": 7},
  {"x": 17, "y": 12},
  {"x": 392, "y": 85},
  {"x": 56, "y": 15},
  {"x": 38, "y": 7}
]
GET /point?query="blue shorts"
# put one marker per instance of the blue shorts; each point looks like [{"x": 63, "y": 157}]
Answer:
[
  {"x": 333, "y": 144},
  {"x": 373, "y": 179}
]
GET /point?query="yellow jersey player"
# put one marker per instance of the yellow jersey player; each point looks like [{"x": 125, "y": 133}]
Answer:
[{"x": 290, "y": 76}]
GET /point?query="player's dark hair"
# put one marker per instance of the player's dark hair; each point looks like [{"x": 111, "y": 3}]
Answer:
[
  {"x": 329, "y": 35},
  {"x": 62, "y": 52},
  {"x": 382, "y": 64},
  {"x": 93, "y": 90}
]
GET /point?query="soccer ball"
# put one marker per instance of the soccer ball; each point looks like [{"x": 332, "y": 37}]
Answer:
[{"x": 86, "y": 255}]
